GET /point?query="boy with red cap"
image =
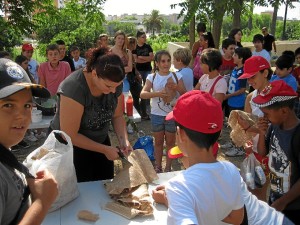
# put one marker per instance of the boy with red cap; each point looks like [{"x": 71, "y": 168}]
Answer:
[
  {"x": 208, "y": 192},
  {"x": 24, "y": 199},
  {"x": 33, "y": 65},
  {"x": 281, "y": 141}
]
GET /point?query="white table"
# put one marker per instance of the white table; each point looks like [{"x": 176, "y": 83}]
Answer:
[
  {"x": 93, "y": 197},
  {"x": 44, "y": 123}
]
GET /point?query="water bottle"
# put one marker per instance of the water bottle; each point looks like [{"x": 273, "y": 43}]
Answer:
[
  {"x": 261, "y": 175},
  {"x": 250, "y": 180}
]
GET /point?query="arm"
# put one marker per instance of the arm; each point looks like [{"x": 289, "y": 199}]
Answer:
[
  {"x": 263, "y": 125},
  {"x": 197, "y": 87},
  {"x": 42, "y": 80},
  {"x": 128, "y": 68},
  {"x": 178, "y": 87},
  {"x": 147, "y": 94},
  {"x": 43, "y": 191},
  {"x": 219, "y": 96},
  {"x": 274, "y": 46},
  {"x": 236, "y": 93},
  {"x": 235, "y": 217},
  {"x": 159, "y": 195},
  {"x": 71, "y": 124},
  {"x": 248, "y": 108},
  {"x": 144, "y": 59},
  {"x": 281, "y": 203},
  {"x": 195, "y": 48},
  {"x": 119, "y": 125}
]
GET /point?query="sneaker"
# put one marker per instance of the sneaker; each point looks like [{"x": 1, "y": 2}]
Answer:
[
  {"x": 235, "y": 151},
  {"x": 41, "y": 135},
  {"x": 227, "y": 145},
  {"x": 130, "y": 129},
  {"x": 31, "y": 138}
]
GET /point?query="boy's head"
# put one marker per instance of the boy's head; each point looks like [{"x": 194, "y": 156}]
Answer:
[
  {"x": 284, "y": 65},
  {"x": 258, "y": 41},
  {"x": 27, "y": 50},
  {"x": 201, "y": 123},
  {"x": 228, "y": 46},
  {"x": 297, "y": 55},
  {"x": 241, "y": 55},
  {"x": 75, "y": 52},
  {"x": 201, "y": 28},
  {"x": 182, "y": 57},
  {"x": 210, "y": 60},
  {"x": 102, "y": 40},
  {"x": 16, "y": 91},
  {"x": 62, "y": 48},
  {"x": 52, "y": 53},
  {"x": 264, "y": 31},
  {"x": 276, "y": 101},
  {"x": 5, "y": 54}
]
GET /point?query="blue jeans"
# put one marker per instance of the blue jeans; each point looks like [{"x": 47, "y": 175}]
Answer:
[{"x": 158, "y": 124}]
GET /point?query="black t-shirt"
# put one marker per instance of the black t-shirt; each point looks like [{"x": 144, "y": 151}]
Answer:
[
  {"x": 98, "y": 111},
  {"x": 70, "y": 61},
  {"x": 144, "y": 50},
  {"x": 268, "y": 40}
]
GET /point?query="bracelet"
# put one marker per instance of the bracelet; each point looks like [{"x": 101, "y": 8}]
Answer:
[{"x": 247, "y": 128}]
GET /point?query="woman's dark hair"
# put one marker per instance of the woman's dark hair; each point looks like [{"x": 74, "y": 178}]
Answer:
[
  {"x": 270, "y": 72},
  {"x": 107, "y": 66},
  {"x": 140, "y": 33},
  {"x": 209, "y": 38},
  {"x": 201, "y": 27},
  {"x": 244, "y": 53},
  {"x": 285, "y": 61},
  {"x": 4, "y": 54},
  {"x": 212, "y": 57},
  {"x": 158, "y": 56},
  {"x": 297, "y": 51},
  {"x": 232, "y": 33},
  {"x": 202, "y": 140}
]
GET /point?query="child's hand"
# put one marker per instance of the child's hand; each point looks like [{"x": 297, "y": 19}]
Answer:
[
  {"x": 43, "y": 188},
  {"x": 159, "y": 195},
  {"x": 172, "y": 86},
  {"x": 163, "y": 94},
  {"x": 248, "y": 146},
  {"x": 263, "y": 125}
]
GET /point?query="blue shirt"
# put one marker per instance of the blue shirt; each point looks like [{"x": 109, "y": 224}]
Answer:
[
  {"x": 187, "y": 77},
  {"x": 290, "y": 80},
  {"x": 235, "y": 85}
]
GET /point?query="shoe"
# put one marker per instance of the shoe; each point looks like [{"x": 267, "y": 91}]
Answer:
[
  {"x": 146, "y": 117},
  {"x": 235, "y": 151},
  {"x": 41, "y": 135},
  {"x": 130, "y": 129},
  {"x": 31, "y": 138},
  {"x": 227, "y": 145},
  {"x": 20, "y": 145},
  {"x": 158, "y": 169}
]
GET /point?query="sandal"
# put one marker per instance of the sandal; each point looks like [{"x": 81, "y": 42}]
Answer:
[{"x": 158, "y": 169}]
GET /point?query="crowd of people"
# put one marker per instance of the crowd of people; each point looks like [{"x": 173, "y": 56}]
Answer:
[{"x": 187, "y": 109}]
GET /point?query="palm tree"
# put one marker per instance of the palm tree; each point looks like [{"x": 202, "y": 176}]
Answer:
[{"x": 154, "y": 22}]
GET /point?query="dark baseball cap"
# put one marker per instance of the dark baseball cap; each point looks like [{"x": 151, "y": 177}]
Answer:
[{"x": 13, "y": 78}]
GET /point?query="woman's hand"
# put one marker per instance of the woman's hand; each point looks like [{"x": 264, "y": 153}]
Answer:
[
  {"x": 126, "y": 148},
  {"x": 248, "y": 146},
  {"x": 159, "y": 195},
  {"x": 111, "y": 153}
]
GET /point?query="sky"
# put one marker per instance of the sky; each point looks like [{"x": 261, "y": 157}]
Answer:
[{"x": 118, "y": 7}]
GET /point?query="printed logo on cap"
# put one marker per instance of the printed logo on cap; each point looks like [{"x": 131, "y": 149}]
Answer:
[
  {"x": 212, "y": 126},
  {"x": 15, "y": 72},
  {"x": 266, "y": 90}
]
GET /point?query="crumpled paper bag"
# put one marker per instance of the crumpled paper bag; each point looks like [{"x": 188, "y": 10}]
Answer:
[
  {"x": 237, "y": 134},
  {"x": 129, "y": 188}
]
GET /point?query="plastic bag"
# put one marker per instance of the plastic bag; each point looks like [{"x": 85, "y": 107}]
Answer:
[
  {"x": 252, "y": 172},
  {"x": 146, "y": 143},
  {"x": 56, "y": 155}
]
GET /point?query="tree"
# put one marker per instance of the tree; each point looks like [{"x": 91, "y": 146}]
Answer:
[
  {"x": 9, "y": 37},
  {"x": 154, "y": 22}
]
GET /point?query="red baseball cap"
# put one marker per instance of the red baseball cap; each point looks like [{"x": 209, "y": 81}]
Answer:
[
  {"x": 27, "y": 47},
  {"x": 253, "y": 65},
  {"x": 276, "y": 91},
  {"x": 198, "y": 111}
]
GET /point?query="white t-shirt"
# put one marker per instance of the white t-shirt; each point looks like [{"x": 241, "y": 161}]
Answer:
[
  {"x": 259, "y": 212},
  {"x": 33, "y": 67},
  {"x": 80, "y": 63},
  {"x": 187, "y": 77},
  {"x": 206, "y": 84},
  {"x": 204, "y": 194},
  {"x": 263, "y": 53},
  {"x": 158, "y": 107}
]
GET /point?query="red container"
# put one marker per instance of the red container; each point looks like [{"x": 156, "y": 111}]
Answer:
[
  {"x": 129, "y": 106},
  {"x": 123, "y": 103}
]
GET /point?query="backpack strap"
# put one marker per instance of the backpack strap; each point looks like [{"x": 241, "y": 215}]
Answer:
[
  {"x": 175, "y": 76},
  {"x": 214, "y": 84}
]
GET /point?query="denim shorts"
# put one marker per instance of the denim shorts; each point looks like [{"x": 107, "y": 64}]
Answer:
[{"x": 158, "y": 123}]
